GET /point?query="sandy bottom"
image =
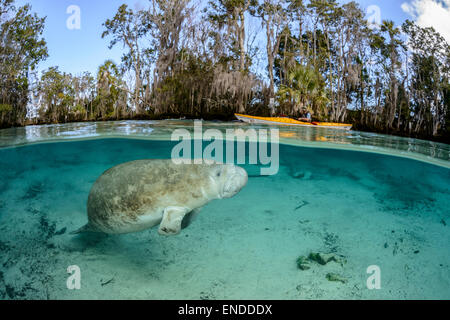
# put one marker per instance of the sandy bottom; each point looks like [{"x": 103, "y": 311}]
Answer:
[{"x": 371, "y": 209}]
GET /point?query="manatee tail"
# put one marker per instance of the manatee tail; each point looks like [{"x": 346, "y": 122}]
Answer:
[{"x": 86, "y": 228}]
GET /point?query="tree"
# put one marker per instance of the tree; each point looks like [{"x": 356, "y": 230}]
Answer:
[
  {"x": 111, "y": 99},
  {"x": 273, "y": 17},
  {"x": 351, "y": 30},
  {"x": 230, "y": 14},
  {"x": 297, "y": 10},
  {"x": 305, "y": 91},
  {"x": 388, "y": 44},
  {"x": 128, "y": 28},
  {"x": 84, "y": 92},
  {"x": 430, "y": 64},
  {"x": 166, "y": 21},
  {"x": 57, "y": 95},
  {"x": 21, "y": 49}
]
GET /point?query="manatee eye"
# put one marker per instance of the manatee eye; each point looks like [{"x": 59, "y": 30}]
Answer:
[{"x": 219, "y": 174}]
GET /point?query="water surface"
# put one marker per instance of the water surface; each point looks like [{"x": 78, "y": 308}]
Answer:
[{"x": 428, "y": 151}]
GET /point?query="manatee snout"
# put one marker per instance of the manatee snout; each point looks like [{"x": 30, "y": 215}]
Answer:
[{"x": 237, "y": 179}]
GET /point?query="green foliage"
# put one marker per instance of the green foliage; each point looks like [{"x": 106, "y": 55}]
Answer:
[
  {"x": 5, "y": 108},
  {"x": 21, "y": 49},
  {"x": 305, "y": 91}
]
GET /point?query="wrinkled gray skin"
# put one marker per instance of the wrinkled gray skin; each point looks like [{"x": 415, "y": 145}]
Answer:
[{"x": 139, "y": 195}]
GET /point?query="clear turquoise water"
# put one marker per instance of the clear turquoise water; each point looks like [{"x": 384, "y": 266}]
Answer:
[{"x": 373, "y": 209}]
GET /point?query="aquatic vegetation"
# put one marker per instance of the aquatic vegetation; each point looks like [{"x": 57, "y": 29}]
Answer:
[
  {"x": 331, "y": 241},
  {"x": 334, "y": 277},
  {"x": 404, "y": 242},
  {"x": 303, "y": 263},
  {"x": 3, "y": 246},
  {"x": 47, "y": 228},
  {"x": 25, "y": 273},
  {"x": 324, "y": 258},
  {"x": 107, "y": 282},
  {"x": 33, "y": 191}
]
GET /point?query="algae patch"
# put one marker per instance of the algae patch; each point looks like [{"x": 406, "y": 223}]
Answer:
[
  {"x": 304, "y": 263},
  {"x": 334, "y": 277},
  {"x": 324, "y": 258}
]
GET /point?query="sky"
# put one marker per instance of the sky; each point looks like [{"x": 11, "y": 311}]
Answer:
[
  {"x": 81, "y": 48},
  {"x": 78, "y": 50}
]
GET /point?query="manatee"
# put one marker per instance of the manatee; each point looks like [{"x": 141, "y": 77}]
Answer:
[{"x": 139, "y": 195}]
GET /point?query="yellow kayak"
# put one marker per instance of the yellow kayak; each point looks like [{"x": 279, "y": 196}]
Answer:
[{"x": 292, "y": 122}]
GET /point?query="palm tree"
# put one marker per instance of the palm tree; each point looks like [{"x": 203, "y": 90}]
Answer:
[
  {"x": 109, "y": 90},
  {"x": 305, "y": 90}
]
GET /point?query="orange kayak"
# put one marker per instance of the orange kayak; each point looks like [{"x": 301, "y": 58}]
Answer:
[{"x": 291, "y": 122}]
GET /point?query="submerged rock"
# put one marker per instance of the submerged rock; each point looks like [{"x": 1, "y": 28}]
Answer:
[
  {"x": 324, "y": 258},
  {"x": 336, "y": 278},
  {"x": 303, "y": 263}
]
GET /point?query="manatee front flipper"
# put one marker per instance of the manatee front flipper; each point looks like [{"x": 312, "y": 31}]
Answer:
[{"x": 171, "y": 221}]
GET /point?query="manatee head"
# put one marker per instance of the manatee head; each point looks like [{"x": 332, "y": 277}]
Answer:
[{"x": 230, "y": 179}]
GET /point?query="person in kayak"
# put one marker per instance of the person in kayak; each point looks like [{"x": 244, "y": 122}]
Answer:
[{"x": 307, "y": 118}]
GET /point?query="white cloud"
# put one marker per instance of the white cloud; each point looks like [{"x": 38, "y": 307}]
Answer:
[{"x": 431, "y": 13}]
